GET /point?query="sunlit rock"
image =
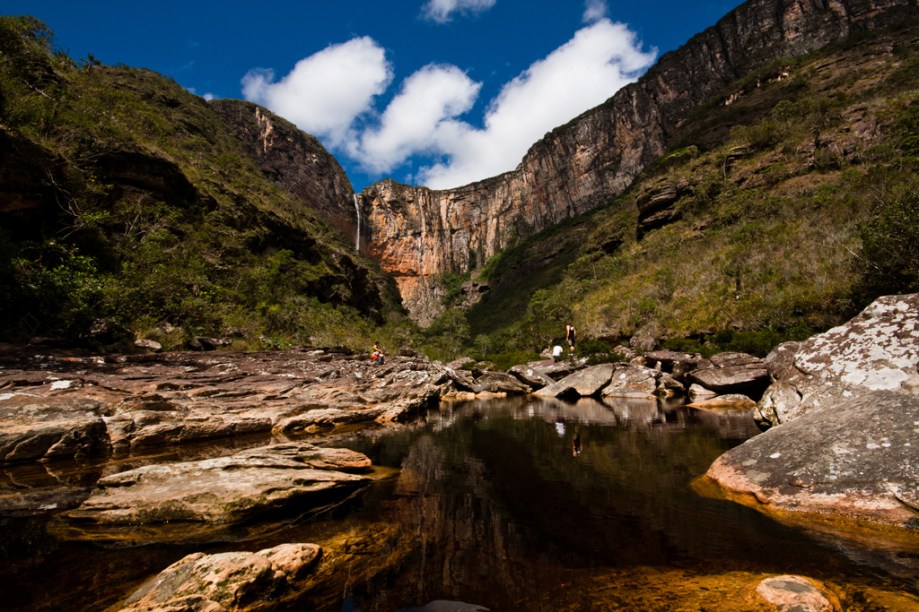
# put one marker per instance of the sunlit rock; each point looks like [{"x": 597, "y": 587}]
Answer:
[
  {"x": 33, "y": 428},
  {"x": 876, "y": 350},
  {"x": 797, "y": 593},
  {"x": 249, "y": 581},
  {"x": 856, "y": 459},
  {"x": 219, "y": 491}
]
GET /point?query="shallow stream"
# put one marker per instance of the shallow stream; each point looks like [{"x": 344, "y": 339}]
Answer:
[{"x": 514, "y": 504}]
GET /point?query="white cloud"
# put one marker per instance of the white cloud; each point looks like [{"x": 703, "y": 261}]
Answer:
[
  {"x": 579, "y": 75},
  {"x": 417, "y": 117},
  {"x": 594, "y": 10},
  {"x": 331, "y": 95},
  {"x": 327, "y": 91},
  {"x": 442, "y": 11}
]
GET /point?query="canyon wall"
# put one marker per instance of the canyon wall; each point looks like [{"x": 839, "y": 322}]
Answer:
[
  {"x": 294, "y": 160},
  {"x": 418, "y": 233}
]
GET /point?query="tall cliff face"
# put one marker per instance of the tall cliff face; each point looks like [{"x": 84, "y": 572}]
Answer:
[
  {"x": 294, "y": 160},
  {"x": 418, "y": 233}
]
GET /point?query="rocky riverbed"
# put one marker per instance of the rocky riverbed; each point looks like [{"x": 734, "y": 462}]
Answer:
[{"x": 118, "y": 438}]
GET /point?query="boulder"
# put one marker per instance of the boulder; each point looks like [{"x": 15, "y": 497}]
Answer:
[
  {"x": 733, "y": 373},
  {"x": 557, "y": 370},
  {"x": 796, "y": 593},
  {"x": 218, "y": 491},
  {"x": 876, "y": 350},
  {"x": 583, "y": 383},
  {"x": 500, "y": 383},
  {"x": 676, "y": 363},
  {"x": 698, "y": 392},
  {"x": 247, "y": 581},
  {"x": 34, "y": 428},
  {"x": 530, "y": 375},
  {"x": 640, "y": 382},
  {"x": 857, "y": 459}
]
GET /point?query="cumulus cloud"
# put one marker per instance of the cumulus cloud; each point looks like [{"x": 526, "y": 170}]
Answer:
[
  {"x": 594, "y": 10},
  {"x": 327, "y": 91},
  {"x": 331, "y": 94},
  {"x": 418, "y": 117},
  {"x": 442, "y": 11},
  {"x": 579, "y": 75}
]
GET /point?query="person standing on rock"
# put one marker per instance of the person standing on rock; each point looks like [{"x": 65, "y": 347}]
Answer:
[{"x": 570, "y": 334}]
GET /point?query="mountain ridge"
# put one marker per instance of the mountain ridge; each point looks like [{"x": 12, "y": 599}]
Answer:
[{"x": 596, "y": 156}]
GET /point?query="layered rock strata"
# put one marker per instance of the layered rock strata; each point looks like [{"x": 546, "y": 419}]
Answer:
[{"x": 418, "y": 233}]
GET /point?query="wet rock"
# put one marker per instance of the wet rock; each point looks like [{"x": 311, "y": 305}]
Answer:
[
  {"x": 878, "y": 349},
  {"x": 35, "y": 428},
  {"x": 798, "y": 594},
  {"x": 698, "y": 392},
  {"x": 222, "y": 490},
  {"x": 857, "y": 459},
  {"x": 248, "y": 581}
]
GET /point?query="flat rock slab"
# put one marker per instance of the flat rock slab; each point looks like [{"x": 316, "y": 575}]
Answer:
[
  {"x": 218, "y": 491},
  {"x": 250, "y": 581},
  {"x": 133, "y": 404},
  {"x": 34, "y": 428},
  {"x": 859, "y": 459}
]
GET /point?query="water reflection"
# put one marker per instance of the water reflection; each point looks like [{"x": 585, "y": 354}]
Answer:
[
  {"x": 503, "y": 503},
  {"x": 498, "y": 504}
]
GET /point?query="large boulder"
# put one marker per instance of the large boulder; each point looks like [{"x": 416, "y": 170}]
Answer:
[
  {"x": 858, "y": 459},
  {"x": 34, "y": 428},
  {"x": 583, "y": 383},
  {"x": 219, "y": 491},
  {"x": 227, "y": 581},
  {"x": 876, "y": 350}
]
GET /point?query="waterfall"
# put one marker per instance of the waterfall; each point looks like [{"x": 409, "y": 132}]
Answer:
[{"x": 357, "y": 211}]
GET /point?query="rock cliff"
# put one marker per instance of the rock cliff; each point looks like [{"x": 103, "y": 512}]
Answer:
[
  {"x": 418, "y": 233},
  {"x": 294, "y": 160}
]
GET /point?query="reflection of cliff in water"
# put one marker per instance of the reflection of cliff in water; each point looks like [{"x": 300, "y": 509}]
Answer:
[{"x": 497, "y": 503}]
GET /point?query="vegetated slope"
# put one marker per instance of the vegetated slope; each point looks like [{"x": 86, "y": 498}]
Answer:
[
  {"x": 127, "y": 199},
  {"x": 789, "y": 202}
]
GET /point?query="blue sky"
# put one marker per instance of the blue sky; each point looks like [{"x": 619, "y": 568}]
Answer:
[{"x": 429, "y": 92}]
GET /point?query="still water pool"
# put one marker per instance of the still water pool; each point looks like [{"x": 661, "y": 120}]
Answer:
[{"x": 507, "y": 504}]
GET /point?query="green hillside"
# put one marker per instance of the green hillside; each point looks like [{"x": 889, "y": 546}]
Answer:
[
  {"x": 773, "y": 216},
  {"x": 128, "y": 208}
]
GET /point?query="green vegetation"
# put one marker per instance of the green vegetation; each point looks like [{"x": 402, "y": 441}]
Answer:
[
  {"x": 132, "y": 202},
  {"x": 798, "y": 207},
  {"x": 126, "y": 199}
]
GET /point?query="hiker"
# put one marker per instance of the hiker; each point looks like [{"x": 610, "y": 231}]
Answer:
[
  {"x": 556, "y": 353},
  {"x": 377, "y": 355},
  {"x": 570, "y": 334}
]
